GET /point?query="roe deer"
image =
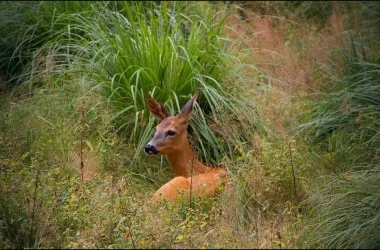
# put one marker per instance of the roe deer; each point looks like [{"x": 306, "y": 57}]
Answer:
[{"x": 170, "y": 139}]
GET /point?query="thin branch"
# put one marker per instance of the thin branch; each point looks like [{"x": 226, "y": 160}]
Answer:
[
  {"x": 81, "y": 140},
  {"x": 130, "y": 231},
  {"x": 34, "y": 207},
  {"x": 257, "y": 208},
  {"x": 191, "y": 179},
  {"x": 293, "y": 174}
]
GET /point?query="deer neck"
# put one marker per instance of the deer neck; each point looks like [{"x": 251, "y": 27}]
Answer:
[{"x": 185, "y": 163}]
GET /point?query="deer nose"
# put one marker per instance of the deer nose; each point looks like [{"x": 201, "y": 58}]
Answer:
[{"x": 150, "y": 149}]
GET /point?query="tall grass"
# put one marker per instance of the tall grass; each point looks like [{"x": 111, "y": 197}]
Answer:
[
  {"x": 348, "y": 211},
  {"x": 311, "y": 12},
  {"x": 132, "y": 49},
  {"x": 26, "y": 26},
  {"x": 170, "y": 56},
  {"x": 347, "y": 117},
  {"x": 151, "y": 54},
  {"x": 345, "y": 124}
]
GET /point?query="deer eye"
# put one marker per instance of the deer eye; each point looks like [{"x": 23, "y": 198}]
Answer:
[{"x": 170, "y": 133}]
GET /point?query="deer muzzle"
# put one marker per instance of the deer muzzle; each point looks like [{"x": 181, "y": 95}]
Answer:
[{"x": 150, "y": 149}]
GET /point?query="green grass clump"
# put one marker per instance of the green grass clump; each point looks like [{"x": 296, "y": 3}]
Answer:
[
  {"x": 348, "y": 209},
  {"x": 344, "y": 126},
  {"x": 129, "y": 50},
  {"x": 346, "y": 119},
  {"x": 26, "y": 26},
  {"x": 148, "y": 52},
  {"x": 169, "y": 55}
]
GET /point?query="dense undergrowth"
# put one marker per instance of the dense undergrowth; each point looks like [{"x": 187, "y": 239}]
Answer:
[
  {"x": 129, "y": 50},
  {"x": 303, "y": 155},
  {"x": 345, "y": 124}
]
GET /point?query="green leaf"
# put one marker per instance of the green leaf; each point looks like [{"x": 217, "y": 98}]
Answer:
[{"x": 25, "y": 155}]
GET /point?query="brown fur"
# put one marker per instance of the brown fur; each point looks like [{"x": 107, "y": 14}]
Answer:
[{"x": 191, "y": 174}]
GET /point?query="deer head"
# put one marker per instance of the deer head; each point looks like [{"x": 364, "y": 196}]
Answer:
[{"x": 171, "y": 132}]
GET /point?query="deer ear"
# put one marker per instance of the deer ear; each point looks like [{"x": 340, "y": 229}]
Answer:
[
  {"x": 156, "y": 109},
  {"x": 187, "y": 109}
]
